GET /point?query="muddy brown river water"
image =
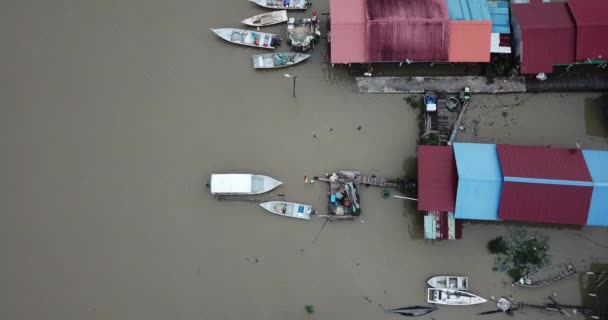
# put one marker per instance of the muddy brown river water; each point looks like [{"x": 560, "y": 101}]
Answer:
[{"x": 115, "y": 113}]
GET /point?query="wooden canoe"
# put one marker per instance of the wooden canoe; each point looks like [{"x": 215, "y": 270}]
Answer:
[{"x": 546, "y": 276}]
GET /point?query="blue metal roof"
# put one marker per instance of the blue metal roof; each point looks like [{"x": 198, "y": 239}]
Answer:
[
  {"x": 597, "y": 163},
  {"x": 468, "y": 9},
  {"x": 550, "y": 181},
  {"x": 598, "y": 210},
  {"x": 499, "y": 12},
  {"x": 478, "y": 200},
  {"x": 477, "y": 161},
  {"x": 479, "y": 181}
]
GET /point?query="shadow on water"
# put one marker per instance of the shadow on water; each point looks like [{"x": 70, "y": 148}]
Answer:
[
  {"x": 416, "y": 220},
  {"x": 596, "y": 116},
  {"x": 410, "y": 167}
]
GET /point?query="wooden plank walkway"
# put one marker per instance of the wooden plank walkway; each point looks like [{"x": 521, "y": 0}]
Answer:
[{"x": 365, "y": 180}]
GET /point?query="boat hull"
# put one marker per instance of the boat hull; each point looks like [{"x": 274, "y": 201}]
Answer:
[
  {"x": 268, "y": 60},
  {"x": 288, "y": 209},
  {"x": 280, "y": 4},
  {"x": 449, "y": 282},
  {"x": 237, "y": 184},
  {"x": 546, "y": 276},
  {"x": 248, "y": 38},
  {"x": 266, "y": 19},
  {"x": 453, "y": 297}
]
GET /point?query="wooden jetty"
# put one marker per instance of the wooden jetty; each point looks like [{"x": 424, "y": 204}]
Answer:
[
  {"x": 364, "y": 180},
  {"x": 437, "y": 122},
  {"x": 343, "y": 195}
]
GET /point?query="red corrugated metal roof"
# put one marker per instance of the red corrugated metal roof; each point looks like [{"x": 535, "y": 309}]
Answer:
[
  {"x": 437, "y": 178},
  {"x": 591, "y": 28},
  {"x": 548, "y": 35},
  {"x": 401, "y": 10},
  {"x": 399, "y": 41},
  {"x": 398, "y": 30},
  {"x": 542, "y": 163},
  {"x": 546, "y": 203}
]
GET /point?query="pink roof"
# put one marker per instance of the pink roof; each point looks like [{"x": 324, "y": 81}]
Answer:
[
  {"x": 348, "y": 31},
  {"x": 548, "y": 35},
  {"x": 398, "y": 30},
  {"x": 546, "y": 203},
  {"x": 408, "y": 10},
  {"x": 437, "y": 178},
  {"x": 543, "y": 163},
  {"x": 470, "y": 41},
  {"x": 347, "y": 11},
  {"x": 591, "y": 28}
]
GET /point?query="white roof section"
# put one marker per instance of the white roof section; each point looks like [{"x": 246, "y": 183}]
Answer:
[
  {"x": 495, "y": 44},
  {"x": 231, "y": 183}
]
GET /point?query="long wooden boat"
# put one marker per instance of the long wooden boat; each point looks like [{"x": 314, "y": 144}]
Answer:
[
  {"x": 282, "y": 4},
  {"x": 449, "y": 282},
  {"x": 266, "y": 19},
  {"x": 414, "y": 311},
  {"x": 288, "y": 209},
  {"x": 249, "y": 38},
  {"x": 234, "y": 184},
  {"x": 452, "y": 297},
  {"x": 277, "y": 60},
  {"x": 546, "y": 276}
]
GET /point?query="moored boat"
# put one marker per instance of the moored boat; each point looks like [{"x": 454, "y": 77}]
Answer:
[
  {"x": 452, "y": 297},
  {"x": 449, "y": 282},
  {"x": 546, "y": 276},
  {"x": 241, "y": 184},
  {"x": 266, "y": 19},
  {"x": 303, "y": 33},
  {"x": 277, "y": 60},
  {"x": 282, "y": 4},
  {"x": 414, "y": 311},
  {"x": 248, "y": 38},
  {"x": 288, "y": 209}
]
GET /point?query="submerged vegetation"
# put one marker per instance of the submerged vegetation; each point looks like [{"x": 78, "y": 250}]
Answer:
[
  {"x": 432, "y": 139},
  {"x": 519, "y": 253},
  {"x": 414, "y": 101},
  {"x": 407, "y": 186},
  {"x": 310, "y": 309}
]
